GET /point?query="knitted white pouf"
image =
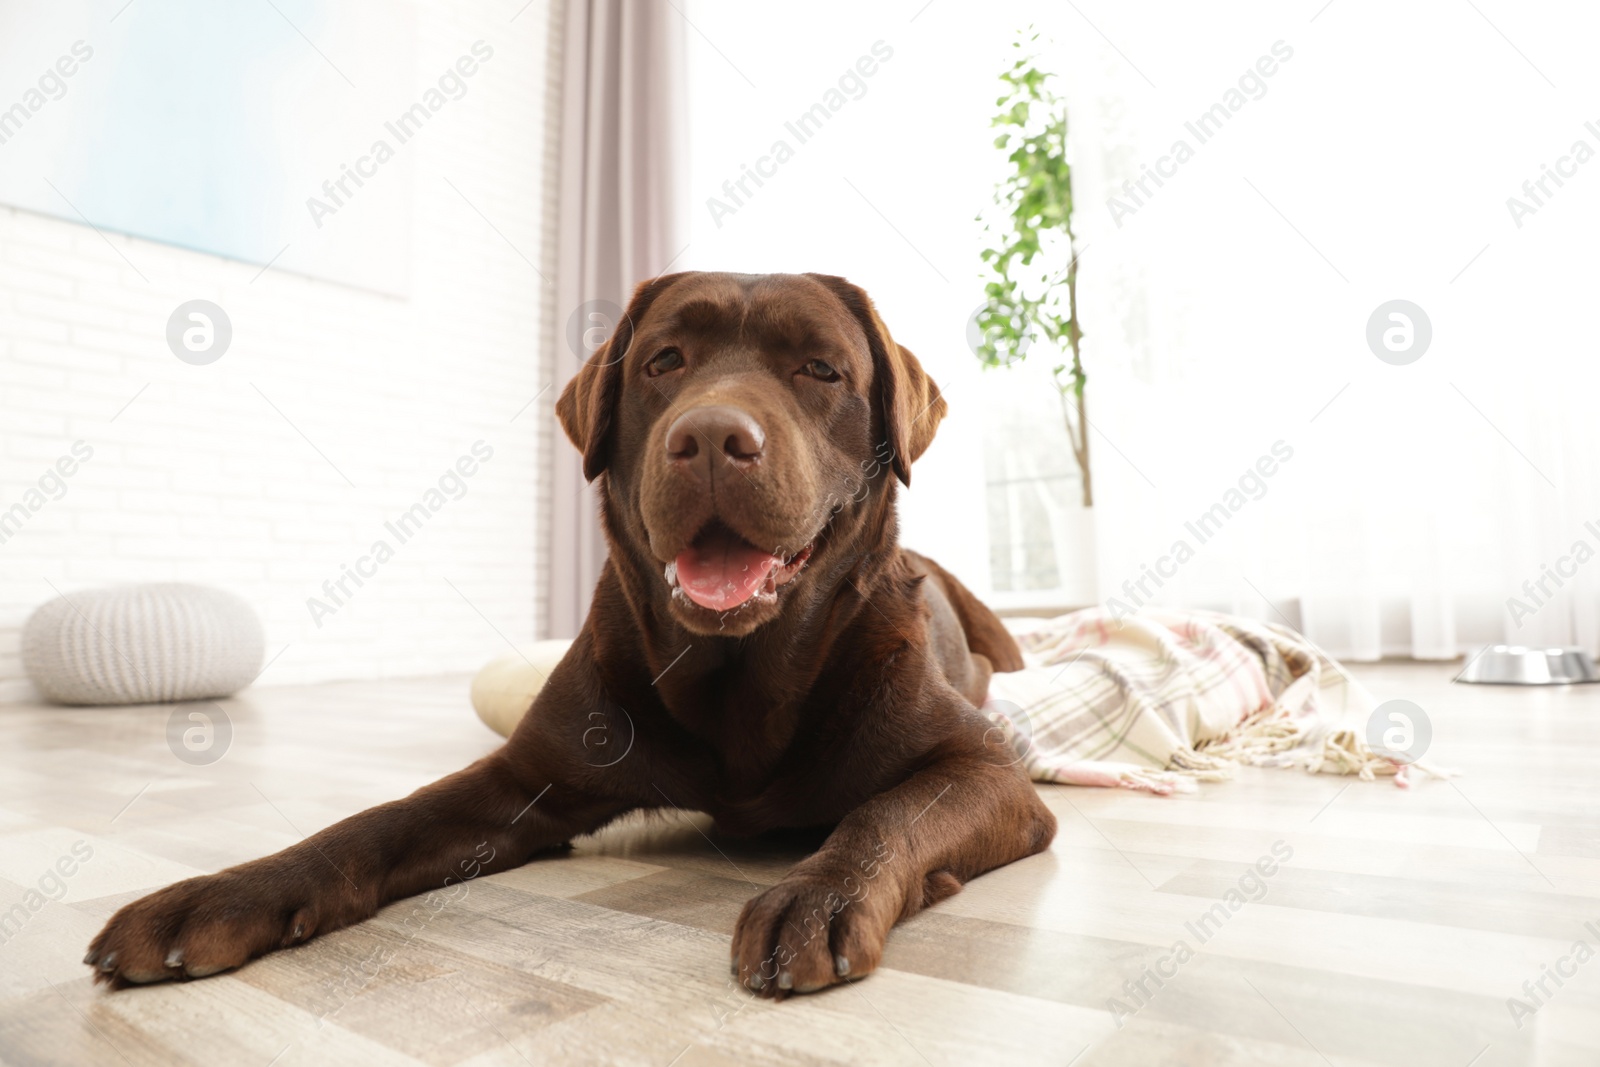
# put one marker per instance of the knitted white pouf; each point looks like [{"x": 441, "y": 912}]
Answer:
[{"x": 142, "y": 644}]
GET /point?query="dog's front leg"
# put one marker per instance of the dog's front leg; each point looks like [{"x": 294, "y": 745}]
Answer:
[
  {"x": 491, "y": 816},
  {"x": 898, "y": 853}
]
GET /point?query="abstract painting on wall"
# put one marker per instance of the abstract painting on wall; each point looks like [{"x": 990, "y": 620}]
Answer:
[{"x": 217, "y": 127}]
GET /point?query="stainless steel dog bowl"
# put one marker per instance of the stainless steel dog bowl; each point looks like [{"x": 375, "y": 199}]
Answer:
[{"x": 1519, "y": 665}]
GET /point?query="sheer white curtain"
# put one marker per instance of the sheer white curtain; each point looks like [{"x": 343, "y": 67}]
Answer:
[
  {"x": 1230, "y": 309},
  {"x": 1226, "y": 316}
]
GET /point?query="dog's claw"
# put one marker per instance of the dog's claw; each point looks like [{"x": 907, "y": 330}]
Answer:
[
  {"x": 175, "y": 958},
  {"x": 109, "y": 964},
  {"x": 844, "y": 947},
  {"x": 88, "y": 959}
]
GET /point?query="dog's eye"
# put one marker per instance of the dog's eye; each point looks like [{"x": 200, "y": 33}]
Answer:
[
  {"x": 821, "y": 371},
  {"x": 668, "y": 359}
]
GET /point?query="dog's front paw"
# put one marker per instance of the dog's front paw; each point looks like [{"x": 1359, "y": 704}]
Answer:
[
  {"x": 807, "y": 933},
  {"x": 198, "y": 928}
]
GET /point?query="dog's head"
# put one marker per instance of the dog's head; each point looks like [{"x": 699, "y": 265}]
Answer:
[{"x": 740, "y": 420}]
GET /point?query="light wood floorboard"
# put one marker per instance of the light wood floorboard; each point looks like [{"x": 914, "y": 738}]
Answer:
[{"x": 1394, "y": 935}]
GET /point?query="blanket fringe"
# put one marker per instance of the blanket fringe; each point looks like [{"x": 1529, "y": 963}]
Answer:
[
  {"x": 1201, "y": 766},
  {"x": 1117, "y": 775},
  {"x": 1273, "y": 737},
  {"x": 1347, "y": 752}
]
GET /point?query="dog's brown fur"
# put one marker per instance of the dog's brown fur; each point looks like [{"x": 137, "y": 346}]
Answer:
[{"x": 844, "y": 702}]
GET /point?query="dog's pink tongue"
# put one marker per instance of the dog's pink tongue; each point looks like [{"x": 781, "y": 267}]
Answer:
[{"x": 723, "y": 573}]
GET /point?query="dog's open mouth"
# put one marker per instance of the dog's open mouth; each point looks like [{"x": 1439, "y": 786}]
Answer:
[{"x": 721, "y": 570}]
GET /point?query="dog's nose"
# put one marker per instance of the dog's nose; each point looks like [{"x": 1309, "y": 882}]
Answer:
[{"x": 716, "y": 426}]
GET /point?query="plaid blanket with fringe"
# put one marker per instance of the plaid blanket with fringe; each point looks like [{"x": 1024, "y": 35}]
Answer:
[{"x": 1164, "y": 699}]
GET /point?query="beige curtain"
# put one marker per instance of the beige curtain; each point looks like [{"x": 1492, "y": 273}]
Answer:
[{"x": 621, "y": 221}]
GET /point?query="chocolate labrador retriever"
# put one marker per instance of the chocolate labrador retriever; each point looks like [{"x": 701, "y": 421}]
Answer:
[{"x": 778, "y": 660}]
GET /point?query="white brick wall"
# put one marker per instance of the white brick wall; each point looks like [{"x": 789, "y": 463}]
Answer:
[{"x": 199, "y": 479}]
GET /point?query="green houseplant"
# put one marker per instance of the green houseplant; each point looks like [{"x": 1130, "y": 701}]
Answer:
[{"x": 1031, "y": 264}]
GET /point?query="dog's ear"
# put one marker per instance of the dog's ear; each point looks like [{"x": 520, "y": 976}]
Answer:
[
  {"x": 910, "y": 400},
  {"x": 588, "y": 404},
  {"x": 913, "y": 407}
]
